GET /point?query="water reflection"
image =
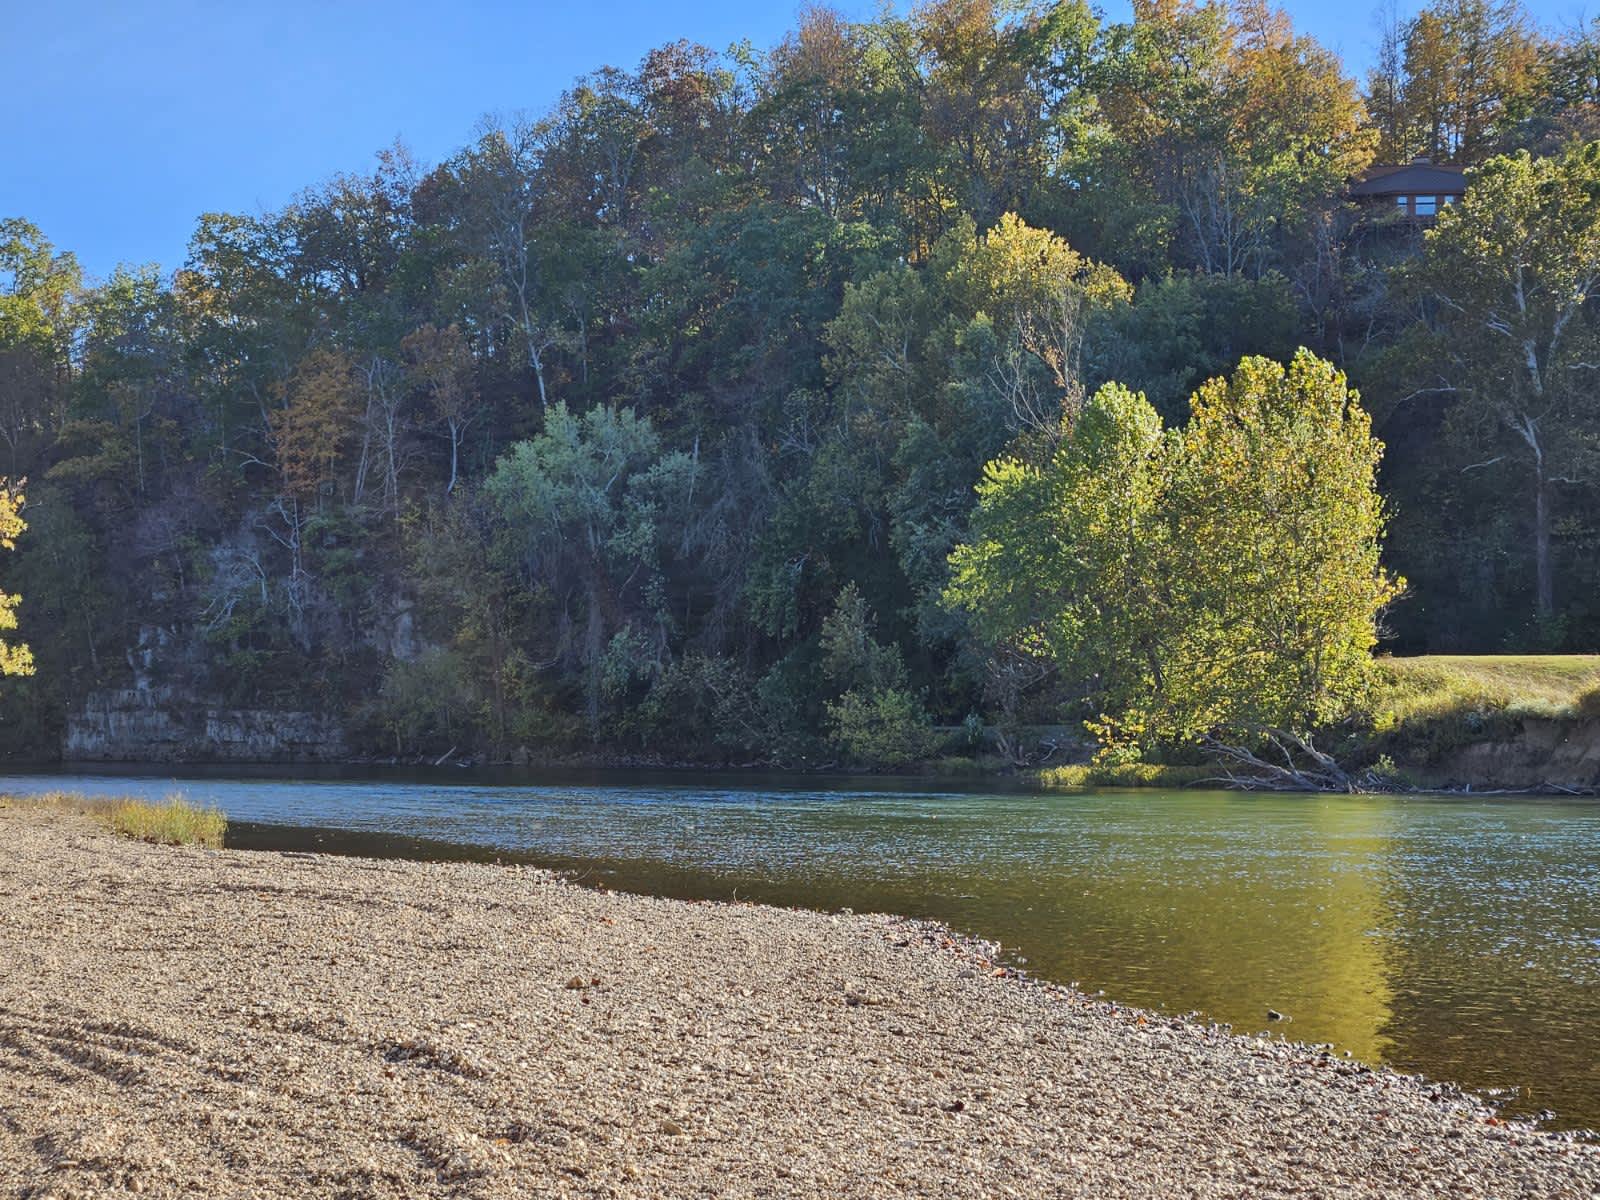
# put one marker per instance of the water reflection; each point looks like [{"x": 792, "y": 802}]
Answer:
[{"x": 1457, "y": 937}]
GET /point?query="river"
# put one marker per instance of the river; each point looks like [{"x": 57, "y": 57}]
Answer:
[{"x": 1455, "y": 936}]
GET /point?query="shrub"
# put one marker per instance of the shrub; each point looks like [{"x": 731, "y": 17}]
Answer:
[
  {"x": 1128, "y": 774},
  {"x": 700, "y": 702},
  {"x": 426, "y": 702},
  {"x": 883, "y": 728}
]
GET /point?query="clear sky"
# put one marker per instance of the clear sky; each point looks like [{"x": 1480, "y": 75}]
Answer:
[{"x": 125, "y": 120}]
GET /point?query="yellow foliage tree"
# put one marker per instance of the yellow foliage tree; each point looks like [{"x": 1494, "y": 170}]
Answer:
[
  {"x": 14, "y": 659},
  {"x": 1039, "y": 292},
  {"x": 318, "y": 413}
]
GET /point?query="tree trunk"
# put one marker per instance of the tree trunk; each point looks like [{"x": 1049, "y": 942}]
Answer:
[
  {"x": 538, "y": 378},
  {"x": 455, "y": 447},
  {"x": 1544, "y": 573}
]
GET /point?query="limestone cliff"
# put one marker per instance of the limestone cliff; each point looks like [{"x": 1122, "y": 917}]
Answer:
[{"x": 154, "y": 724}]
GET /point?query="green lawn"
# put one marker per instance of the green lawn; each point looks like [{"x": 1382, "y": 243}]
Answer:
[{"x": 1436, "y": 685}]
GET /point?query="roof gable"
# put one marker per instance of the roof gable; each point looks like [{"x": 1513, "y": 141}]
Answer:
[{"x": 1412, "y": 179}]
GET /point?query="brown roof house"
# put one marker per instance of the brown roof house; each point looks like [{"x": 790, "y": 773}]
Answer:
[{"x": 1417, "y": 189}]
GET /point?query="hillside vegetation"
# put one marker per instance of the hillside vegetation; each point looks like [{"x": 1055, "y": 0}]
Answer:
[{"x": 651, "y": 425}]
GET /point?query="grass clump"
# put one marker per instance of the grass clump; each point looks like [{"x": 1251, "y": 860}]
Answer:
[
  {"x": 1589, "y": 703},
  {"x": 172, "y": 822},
  {"x": 1136, "y": 774}
]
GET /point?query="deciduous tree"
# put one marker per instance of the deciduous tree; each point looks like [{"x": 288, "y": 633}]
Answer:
[
  {"x": 1218, "y": 584},
  {"x": 15, "y": 658},
  {"x": 1509, "y": 273}
]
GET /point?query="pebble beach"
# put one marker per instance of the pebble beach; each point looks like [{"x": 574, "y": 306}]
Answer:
[{"x": 188, "y": 1022}]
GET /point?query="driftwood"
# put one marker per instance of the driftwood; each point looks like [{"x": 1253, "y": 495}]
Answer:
[
  {"x": 1290, "y": 762},
  {"x": 1303, "y": 768}
]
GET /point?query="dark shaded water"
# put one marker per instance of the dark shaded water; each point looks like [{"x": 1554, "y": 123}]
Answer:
[{"x": 1455, "y": 936}]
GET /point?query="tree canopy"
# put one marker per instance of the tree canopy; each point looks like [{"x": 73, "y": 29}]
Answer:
[
  {"x": 1221, "y": 580},
  {"x": 608, "y": 431}
]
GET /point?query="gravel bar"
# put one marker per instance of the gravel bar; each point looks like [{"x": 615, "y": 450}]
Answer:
[{"x": 183, "y": 1022}]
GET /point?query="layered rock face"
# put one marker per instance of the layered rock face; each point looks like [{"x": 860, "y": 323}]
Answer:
[{"x": 161, "y": 724}]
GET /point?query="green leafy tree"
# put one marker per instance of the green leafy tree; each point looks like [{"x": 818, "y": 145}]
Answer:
[
  {"x": 878, "y": 720},
  {"x": 1041, "y": 295},
  {"x": 1509, "y": 273},
  {"x": 1183, "y": 329},
  {"x": 1219, "y": 584},
  {"x": 38, "y": 286},
  {"x": 1071, "y": 560},
  {"x": 427, "y": 702},
  {"x": 888, "y": 728},
  {"x": 1277, "y": 526},
  {"x": 592, "y": 510}
]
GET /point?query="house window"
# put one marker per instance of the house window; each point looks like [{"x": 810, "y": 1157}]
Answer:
[
  {"x": 1427, "y": 206},
  {"x": 1403, "y": 202},
  {"x": 1443, "y": 200}
]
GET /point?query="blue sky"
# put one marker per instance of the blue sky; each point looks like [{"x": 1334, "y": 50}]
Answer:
[{"x": 127, "y": 120}]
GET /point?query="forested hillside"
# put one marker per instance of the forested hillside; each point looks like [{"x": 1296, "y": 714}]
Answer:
[{"x": 649, "y": 424}]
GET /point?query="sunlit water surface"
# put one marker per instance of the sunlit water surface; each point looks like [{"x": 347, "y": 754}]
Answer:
[{"x": 1455, "y": 936}]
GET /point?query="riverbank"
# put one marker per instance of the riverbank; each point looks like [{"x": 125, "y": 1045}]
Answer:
[
  {"x": 180, "y": 1022},
  {"x": 1447, "y": 723}
]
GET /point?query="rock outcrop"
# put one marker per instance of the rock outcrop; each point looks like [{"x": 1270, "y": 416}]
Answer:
[{"x": 156, "y": 724}]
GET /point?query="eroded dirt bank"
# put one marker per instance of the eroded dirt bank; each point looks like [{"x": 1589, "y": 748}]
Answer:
[{"x": 227, "y": 1024}]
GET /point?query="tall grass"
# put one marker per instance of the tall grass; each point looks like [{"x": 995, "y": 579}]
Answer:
[
  {"x": 1522, "y": 685},
  {"x": 172, "y": 822},
  {"x": 1423, "y": 708}
]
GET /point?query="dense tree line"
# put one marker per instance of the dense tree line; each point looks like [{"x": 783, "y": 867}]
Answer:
[{"x": 652, "y": 421}]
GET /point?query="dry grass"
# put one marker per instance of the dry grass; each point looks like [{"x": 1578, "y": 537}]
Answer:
[
  {"x": 1538, "y": 685},
  {"x": 173, "y": 822}
]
